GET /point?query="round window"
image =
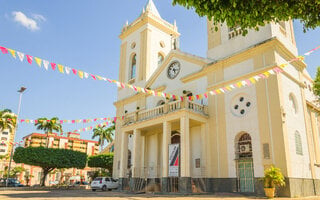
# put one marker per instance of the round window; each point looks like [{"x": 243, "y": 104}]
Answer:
[{"x": 240, "y": 105}]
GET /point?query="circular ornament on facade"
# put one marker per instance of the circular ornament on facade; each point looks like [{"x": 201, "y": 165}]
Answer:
[
  {"x": 240, "y": 105},
  {"x": 173, "y": 70}
]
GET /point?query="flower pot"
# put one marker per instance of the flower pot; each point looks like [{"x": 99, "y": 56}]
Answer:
[{"x": 269, "y": 192}]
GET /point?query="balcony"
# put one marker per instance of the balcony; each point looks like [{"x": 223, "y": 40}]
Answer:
[{"x": 164, "y": 109}]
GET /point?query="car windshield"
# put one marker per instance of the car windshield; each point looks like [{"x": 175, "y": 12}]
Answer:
[{"x": 97, "y": 179}]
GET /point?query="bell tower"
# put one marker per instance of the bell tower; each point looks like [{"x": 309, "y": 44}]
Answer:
[
  {"x": 144, "y": 44},
  {"x": 227, "y": 41}
]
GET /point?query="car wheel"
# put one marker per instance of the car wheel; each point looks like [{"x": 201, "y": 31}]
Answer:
[
  {"x": 93, "y": 190},
  {"x": 104, "y": 188}
]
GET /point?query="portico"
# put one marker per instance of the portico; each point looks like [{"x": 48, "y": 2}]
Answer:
[{"x": 150, "y": 148}]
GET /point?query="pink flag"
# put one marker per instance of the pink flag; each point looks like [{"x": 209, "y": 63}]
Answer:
[
  {"x": 74, "y": 71},
  {"x": 109, "y": 80},
  {"x": 73, "y": 121},
  {"x": 35, "y": 121},
  {"x": 4, "y": 50},
  {"x": 93, "y": 77},
  {"x": 61, "y": 121},
  {"x": 29, "y": 58},
  {"x": 53, "y": 66},
  {"x": 115, "y": 119}
]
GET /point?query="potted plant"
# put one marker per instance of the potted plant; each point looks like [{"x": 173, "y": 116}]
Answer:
[{"x": 272, "y": 178}]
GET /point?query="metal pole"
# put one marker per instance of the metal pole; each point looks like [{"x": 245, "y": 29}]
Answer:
[{"x": 15, "y": 131}]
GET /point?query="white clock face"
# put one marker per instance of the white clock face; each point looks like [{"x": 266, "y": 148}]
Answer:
[{"x": 173, "y": 70}]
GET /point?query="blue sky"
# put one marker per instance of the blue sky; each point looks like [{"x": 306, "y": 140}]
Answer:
[{"x": 84, "y": 35}]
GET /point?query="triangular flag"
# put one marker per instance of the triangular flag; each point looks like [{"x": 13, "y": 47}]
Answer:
[
  {"x": 53, "y": 66},
  {"x": 29, "y": 58},
  {"x": 13, "y": 52},
  {"x": 94, "y": 78},
  {"x": 4, "y": 50},
  {"x": 80, "y": 73},
  {"x": 74, "y": 71},
  {"x": 38, "y": 61},
  {"x": 68, "y": 69},
  {"x": 86, "y": 75},
  {"x": 45, "y": 64},
  {"x": 60, "y": 68},
  {"x": 20, "y": 55}
]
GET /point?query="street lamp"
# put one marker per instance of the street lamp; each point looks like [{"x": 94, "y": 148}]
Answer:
[{"x": 22, "y": 89}]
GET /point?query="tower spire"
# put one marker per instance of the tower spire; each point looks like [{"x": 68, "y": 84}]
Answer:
[{"x": 150, "y": 7}]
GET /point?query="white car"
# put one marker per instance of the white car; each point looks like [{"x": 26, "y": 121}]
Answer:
[{"x": 104, "y": 183}]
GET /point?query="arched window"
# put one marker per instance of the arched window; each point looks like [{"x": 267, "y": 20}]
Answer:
[
  {"x": 298, "y": 142},
  {"x": 160, "y": 58},
  {"x": 293, "y": 103},
  {"x": 244, "y": 146},
  {"x": 133, "y": 66}
]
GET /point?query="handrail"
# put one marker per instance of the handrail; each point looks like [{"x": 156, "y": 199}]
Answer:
[{"x": 169, "y": 107}]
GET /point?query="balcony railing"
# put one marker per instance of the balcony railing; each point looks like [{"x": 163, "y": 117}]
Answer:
[{"x": 165, "y": 109}]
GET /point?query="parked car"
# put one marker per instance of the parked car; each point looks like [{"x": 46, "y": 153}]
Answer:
[
  {"x": 11, "y": 182},
  {"x": 78, "y": 183},
  {"x": 104, "y": 183}
]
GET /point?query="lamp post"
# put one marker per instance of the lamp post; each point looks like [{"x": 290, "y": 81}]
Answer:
[{"x": 22, "y": 89}]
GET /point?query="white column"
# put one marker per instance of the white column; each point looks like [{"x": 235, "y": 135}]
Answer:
[
  {"x": 136, "y": 153},
  {"x": 185, "y": 146},
  {"x": 124, "y": 155},
  {"x": 203, "y": 160},
  {"x": 166, "y": 135}
]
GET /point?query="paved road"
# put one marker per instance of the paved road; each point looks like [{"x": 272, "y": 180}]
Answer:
[{"x": 88, "y": 194}]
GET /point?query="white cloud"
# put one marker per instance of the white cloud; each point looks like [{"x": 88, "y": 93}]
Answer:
[
  {"x": 39, "y": 17},
  {"x": 22, "y": 19}
]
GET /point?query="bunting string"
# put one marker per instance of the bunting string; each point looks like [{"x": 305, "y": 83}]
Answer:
[
  {"x": 81, "y": 74},
  {"x": 66, "y": 121},
  {"x": 84, "y": 75}
]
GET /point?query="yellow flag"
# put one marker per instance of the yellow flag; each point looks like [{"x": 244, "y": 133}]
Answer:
[
  {"x": 38, "y": 61},
  {"x": 267, "y": 74},
  {"x": 60, "y": 67},
  {"x": 252, "y": 80},
  {"x": 228, "y": 88},
  {"x": 80, "y": 73},
  {"x": 13, "y": 52},
  {"x": 99, "y": 77},
  {"x": 239, "y": 84}
]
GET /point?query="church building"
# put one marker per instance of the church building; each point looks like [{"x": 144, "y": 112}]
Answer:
[{"x": 224, "y": 142}]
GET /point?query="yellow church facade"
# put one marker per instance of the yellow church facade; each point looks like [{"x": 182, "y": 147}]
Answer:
[{"x": 224, "y": 142}]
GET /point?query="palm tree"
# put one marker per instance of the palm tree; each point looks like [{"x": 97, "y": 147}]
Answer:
[
  {"x": 104, "y": 134},
  {"x": 48, "y": 126},
  {"x": 8, "y": 120}
]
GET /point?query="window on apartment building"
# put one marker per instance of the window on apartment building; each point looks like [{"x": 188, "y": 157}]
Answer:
[
  {"x": 2, "y": 150},
  {"x": 298, "y": 142},
  {"x": 4, "y": 138},
  {"x": 3, "y": 144},
  {"x": 5, "y": 133}
]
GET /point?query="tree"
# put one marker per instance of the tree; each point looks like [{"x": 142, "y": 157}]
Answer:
[
  {"x": 13, "y": 172},
  {"x": 102, "y": 160},
  {"x": 252, "y": 13},
  {"x": 48, "y": 126},
  {"x": 104, "y": 134},
  {"x": 49, "y": 159},
  {"x": 8, "y": 120},
  {"x": 316, "y": 83}
]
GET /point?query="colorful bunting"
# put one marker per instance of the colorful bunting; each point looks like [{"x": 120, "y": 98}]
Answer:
[{"x": 81, "y": 74}]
